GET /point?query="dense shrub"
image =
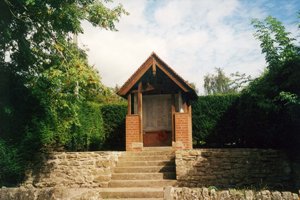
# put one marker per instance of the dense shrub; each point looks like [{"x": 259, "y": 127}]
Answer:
[
  {"x": 101, "y": 127},
  {"x": 89, "y": 134},
  {"x": 11, "y": 168},
  {"x": 265, "y": 115},
  {"x": 269, "y": 109},
  {"x": 114, "y": 125},
  {"x": 17, "y": 106},
  {"x": 245, "y": 120},
  {"x": 210, "y": 126}
]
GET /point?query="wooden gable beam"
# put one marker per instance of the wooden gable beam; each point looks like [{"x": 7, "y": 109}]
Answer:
[
  {"x": 154, "y": 66},
  {"x": 136, "y": 77},
  {"x": 172, "y": 77}
]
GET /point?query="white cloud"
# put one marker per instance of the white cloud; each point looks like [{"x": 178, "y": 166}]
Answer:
[
  {"x": 193, "y": 37},
  {"x": 170, "y": 15}
]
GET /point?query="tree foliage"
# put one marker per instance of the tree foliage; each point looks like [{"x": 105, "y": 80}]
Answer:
[
  {"x": 36, "y": 46},
  {"x": 267, "y": 112},
  {"x": 274, "y": 96},
  {"x": 39, "y": 61},
  {"x": 276, "y": 43},
  {"x": 282, "y": 56},
  {"x": 219, "y": 83}
]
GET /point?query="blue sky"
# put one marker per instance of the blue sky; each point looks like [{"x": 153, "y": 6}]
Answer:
[{"x": 192, "y": 36}]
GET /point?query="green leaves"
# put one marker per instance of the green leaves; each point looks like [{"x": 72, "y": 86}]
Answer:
[
  {"x": 289, "y": 98},
  {"x": 37, "y": 36},
  {"x": 101, "y": 16},
  {"x": 10, "y": 165},
  {"x": 275, "y": 41},
  {"x": 273, "y": 98},
  {"x": 219, "y": 83},
  {"x": 45, "y": 80},
  {"x": 210, "y": 127},
  {"x": 216, "y": 84}
]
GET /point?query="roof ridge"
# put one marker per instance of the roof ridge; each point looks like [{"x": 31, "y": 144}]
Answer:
[
  {"x": 173, "y": 71},
  {"x": 157, "y": 58},
  {"x": 135, "y": 72}
]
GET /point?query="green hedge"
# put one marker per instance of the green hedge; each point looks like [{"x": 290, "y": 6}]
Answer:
[
  {"x": 101, "y": 127},
  {"x": 213, "y": 119},
  {"x": 245, "y": 121},
  {"x": 114, "y": 125},
  {"x": 89, "y": 134},
  {"x": 228, "y": 120}
]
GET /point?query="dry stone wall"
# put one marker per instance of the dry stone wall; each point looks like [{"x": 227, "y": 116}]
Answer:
[
  {"x": 56, "y": 193},
  {"x": 74, "y": 169},
  {"x": 233, "y": 168},
  {"x": 184, "y": 193}
]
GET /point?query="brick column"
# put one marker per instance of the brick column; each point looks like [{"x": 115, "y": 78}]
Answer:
[
  {"x": 183, "y": 131},
  {"x": 133, "y": 133}
]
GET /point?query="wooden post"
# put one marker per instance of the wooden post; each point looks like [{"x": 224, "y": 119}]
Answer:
[
  {"x": 185, "y": 107},
  {"x": 180, "y": 102},
  {"x": 140, "y": 110},
  {"x": 190, "y": 110},
  {"x": 129, "y": 104}
]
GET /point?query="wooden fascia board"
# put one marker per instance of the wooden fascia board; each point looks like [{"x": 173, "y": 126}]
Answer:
[
  {"x": 125, "y": 89},
  {"x": 172, "y": 77},
  {"x": 187, "y": 85},
  {"x": 152, "y": 60}
]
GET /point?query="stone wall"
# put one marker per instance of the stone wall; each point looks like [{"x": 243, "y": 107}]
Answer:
[
  {"x": 211, "y": 194},
  {"x": 73, "y": 169},
  {"x": 56, "y": 193},
  {"x": 233, "y": 168}
]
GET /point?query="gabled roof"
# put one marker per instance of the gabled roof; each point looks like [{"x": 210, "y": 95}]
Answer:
[{"x": 151, "y": 60}]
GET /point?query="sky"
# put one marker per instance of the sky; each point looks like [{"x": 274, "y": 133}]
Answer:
[{"x": 192, "y": 36}]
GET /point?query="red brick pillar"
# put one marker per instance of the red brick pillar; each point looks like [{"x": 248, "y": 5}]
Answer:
[
  {"x": 183, "y": 131},
  {"x": 133, "y": 142}
]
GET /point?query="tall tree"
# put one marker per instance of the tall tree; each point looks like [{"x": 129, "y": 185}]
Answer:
[
  {"x": 36, "y": 47},
  {"x": 219, "y": 83},
  {"x": 280, "y": 52},
  {"x": 276, "y": 43},
  {"x": 270, "y": 105}
]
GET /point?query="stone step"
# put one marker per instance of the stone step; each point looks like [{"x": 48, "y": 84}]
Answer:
[
  {"x": 146, "y": 158},
  {"x": 141, "y": 183},
  {"x": 124, "y": 193},
  {"x": 145, "y": 163},
  {"x": 167, "y": 148},
  {"x": 137, "y": 199},
  {"x": 144, "y": 169},
  {"x": 149, "y": 153},
  {"x": 143, "y": 176}
]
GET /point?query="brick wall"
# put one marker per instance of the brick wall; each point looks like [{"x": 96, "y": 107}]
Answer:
[
  {"x": 233, "y": 168},
  {"x": 183, "y": 133},
  {"x": 133, "y": 133}
]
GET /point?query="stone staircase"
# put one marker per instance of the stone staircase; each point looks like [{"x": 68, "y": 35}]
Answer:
[{"x": 142, "y": 175}]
